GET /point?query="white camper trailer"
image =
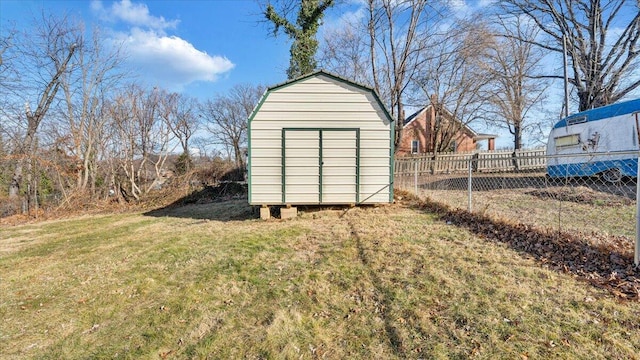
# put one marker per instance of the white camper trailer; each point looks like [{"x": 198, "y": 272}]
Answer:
[{"x": 601, "y": 141}]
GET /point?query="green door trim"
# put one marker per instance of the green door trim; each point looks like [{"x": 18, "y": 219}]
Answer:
[
  {"x": 320, "y": 160},
  {"x": 320, "y": 166},
  {"x": 282, "y": 163}
]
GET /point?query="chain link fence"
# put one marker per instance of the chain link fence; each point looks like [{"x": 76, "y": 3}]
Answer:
[{"x": 592, "y": 195}]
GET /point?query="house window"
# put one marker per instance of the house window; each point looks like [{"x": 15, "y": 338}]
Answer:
[{"x": 415, "y": 146}]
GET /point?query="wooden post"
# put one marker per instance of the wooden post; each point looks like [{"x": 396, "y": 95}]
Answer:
[{"x": 415, "y": 178}]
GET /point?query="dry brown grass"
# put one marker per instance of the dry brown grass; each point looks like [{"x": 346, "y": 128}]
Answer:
[
  {"x": 568, "y": 209},
  {"x": 208, "y": 281}
]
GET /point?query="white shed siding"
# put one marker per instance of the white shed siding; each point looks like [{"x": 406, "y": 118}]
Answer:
[
  {"x": 302, "y": 167},
  {"x": 304, "y": 109},
  {"x": 339, "y": 154}
]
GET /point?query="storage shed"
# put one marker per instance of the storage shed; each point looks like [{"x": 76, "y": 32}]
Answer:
[{"x": 320, "y": 139}]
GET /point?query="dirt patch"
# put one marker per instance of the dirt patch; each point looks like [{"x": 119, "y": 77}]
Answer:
[
  {"x": 222, "y": 192},
  {"x": 233, "y": 195},
  {"x": 581, "y": 195}
]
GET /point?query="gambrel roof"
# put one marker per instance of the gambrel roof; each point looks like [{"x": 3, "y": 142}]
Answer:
[{"x": 329, "y": 75}]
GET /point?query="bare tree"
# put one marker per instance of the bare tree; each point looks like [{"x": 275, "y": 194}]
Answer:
[
  {"x": 5, "y": 44},
  {"x": 180, "y": 113},
  {"x": 225, "y": 118},
  {"x": 86, "y": 87},
  {"x": 9, "y": 79},
  {"x": 516, "y": 89},
  {"x": 122, "y": 143},
  {"x": 142, "y": 140},
  {"x": 44, "y": 54},
  {"x": 7, "y": 90},
  {"x": 346, "y": 52},
  {"x": 396, "y": 29},
  {"x": 602, "y": 43},
  {"x": 384, "y": 50},
  {"x": 453, "y": 81}
]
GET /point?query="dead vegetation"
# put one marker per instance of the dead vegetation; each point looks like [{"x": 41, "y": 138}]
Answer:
[
  {"x": 602, "y": 260},
  {"x": 180, "y": 191}
]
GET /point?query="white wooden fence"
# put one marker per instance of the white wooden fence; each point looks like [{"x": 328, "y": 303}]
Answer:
[{"x": 489, "y": 161}]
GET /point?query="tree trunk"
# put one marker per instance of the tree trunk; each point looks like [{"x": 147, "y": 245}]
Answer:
[
  {"x": 16, "y": 180},
  {"x": 238, "y": 154}
]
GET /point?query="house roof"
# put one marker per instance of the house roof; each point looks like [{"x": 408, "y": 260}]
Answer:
[
  {"x": 473, "y": 133},
  {"x": 485, "y": 136},
  {"x": 414, "y": 115}
]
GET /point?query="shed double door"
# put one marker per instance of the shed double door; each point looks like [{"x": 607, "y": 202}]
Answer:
[{"x": 320, "y": 166}]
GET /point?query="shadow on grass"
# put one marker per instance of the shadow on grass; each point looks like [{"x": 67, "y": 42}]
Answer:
[
  {"x": 224, "y": 202},
  {"x": 607, "y": 263},
  {"x": 382, "y": 296}
]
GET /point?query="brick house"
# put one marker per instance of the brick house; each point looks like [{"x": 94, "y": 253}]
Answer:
[{"x": 425, "y": 128}]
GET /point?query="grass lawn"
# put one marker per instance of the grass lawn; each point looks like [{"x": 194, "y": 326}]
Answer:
[
  {"x": 208, "y": 281},
  {"x": 547, "y": 213}
]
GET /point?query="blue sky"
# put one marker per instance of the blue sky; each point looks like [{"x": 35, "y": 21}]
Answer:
[
  {"x": 200, "y": 48},
  {"x": 197, "y": 47}
]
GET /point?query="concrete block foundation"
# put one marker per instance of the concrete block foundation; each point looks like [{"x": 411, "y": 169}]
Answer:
[
  {"x": 265, "y": 213},
  {"x": 288, "y": 212}
]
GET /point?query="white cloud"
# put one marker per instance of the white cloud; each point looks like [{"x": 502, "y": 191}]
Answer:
[
  {"x": 346, "y": 19},
  {"x": 464, "y": 8},
  {"x": 459, "y": 7},
  {"x": 457, "y": 4},
  {"x": 162, "y": 59},
  {"x": 486, "y": 3},
  {"x": 171, "y": 61},
  {"x": 136, "y": 14}
]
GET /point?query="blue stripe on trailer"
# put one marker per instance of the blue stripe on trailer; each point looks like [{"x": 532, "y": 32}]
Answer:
[
  {"x": 628, "y": 167},
  {"x": 604, "y": 112}
]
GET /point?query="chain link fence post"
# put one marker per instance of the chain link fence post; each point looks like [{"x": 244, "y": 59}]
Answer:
[
  {"x": 597, "y": 195},
  {"x": 469, "y": 187}
]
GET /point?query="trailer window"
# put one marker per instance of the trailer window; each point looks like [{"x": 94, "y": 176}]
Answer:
[
  {"x": 569, "y": 140},
  {"x": 576, "y": 120}
]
